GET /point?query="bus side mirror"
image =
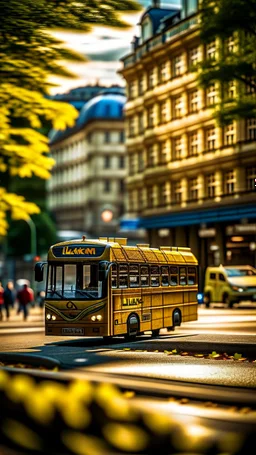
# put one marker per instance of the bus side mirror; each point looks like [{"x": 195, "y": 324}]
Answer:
[
  {"x": 102, "y": 275},
  {"x": 39, "y": 271},
  {"x": 104, "y": 268}
]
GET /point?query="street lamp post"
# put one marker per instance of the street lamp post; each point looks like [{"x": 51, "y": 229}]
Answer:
[
  {"x": 33, "y": 244},
  {"x": 33, "y": 248}
]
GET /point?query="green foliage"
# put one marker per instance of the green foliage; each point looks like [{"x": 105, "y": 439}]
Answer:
[
  {"x": 29, "y": 55},
  {"x": 224, "y": 20}
]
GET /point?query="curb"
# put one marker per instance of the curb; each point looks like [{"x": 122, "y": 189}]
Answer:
[{"x": 33, "y": 360}]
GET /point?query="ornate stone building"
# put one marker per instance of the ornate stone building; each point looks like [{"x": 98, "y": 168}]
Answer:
[
  {"x": 86, "y": 191},
  {"x": 191, "y": 182}
]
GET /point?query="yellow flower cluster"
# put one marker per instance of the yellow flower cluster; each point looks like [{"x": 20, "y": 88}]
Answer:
[{"x": 80, "y": 417}]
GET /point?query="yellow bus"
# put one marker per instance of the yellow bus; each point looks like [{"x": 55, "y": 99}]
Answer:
[{"x": 107, "y": 288}]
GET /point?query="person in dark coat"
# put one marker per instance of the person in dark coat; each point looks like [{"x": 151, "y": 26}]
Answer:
[
  {"x": 24, "y": 297},
  {"x": 9, "y": 298}
]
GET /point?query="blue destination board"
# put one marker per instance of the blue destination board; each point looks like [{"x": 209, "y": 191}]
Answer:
[{"x": 77, "y": 251}]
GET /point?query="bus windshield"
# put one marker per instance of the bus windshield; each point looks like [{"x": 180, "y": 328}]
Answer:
[{"x": 74, "y": 281}]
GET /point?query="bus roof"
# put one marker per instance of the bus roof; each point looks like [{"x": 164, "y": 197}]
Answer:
[{"x": 116, "y": 249}]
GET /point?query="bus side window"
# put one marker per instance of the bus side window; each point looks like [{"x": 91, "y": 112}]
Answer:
[
  {"x": 154, "y": 275},
  {"x": 114, "y": 276},
  {"x": 183, "y": 276},
  {"x": 123, "y": 275},
  {"x": 191, "y": 275},
  {"x": 144, "y": 275},
  {"x": 174, "y": 276},
  {"x": 165, "y": 275},
  {"x": 134, "y": 276}
]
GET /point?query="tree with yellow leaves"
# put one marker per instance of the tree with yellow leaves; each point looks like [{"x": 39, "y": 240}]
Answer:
[{"x": 29, "y": 54}]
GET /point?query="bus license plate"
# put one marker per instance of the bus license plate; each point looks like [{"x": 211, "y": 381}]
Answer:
[{"x": 72, "y": 331}]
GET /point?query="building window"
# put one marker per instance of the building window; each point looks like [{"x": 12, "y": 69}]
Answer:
[
  {"x": 251, "y": 129},
  {"x": 140, "y": 86},
  {"x": 107, "y": 137},
  {"x": 162, "y": 74},
  {"x": 106, "y": 162},
  {"x": 193, "y": 101},
  {"x": 150, "y": 197},
  {"x": 229, "y": 182},
  {"x": 131, "y": 90},
  {"x": 211, "y": 50},
  {"x": 163, "y": 112},
  {"x": 121, "y": 137},
  {"x": 177, "y": 192},
  {"x": 211, "y": 93},
  {"x": 131, "y": 127},
  {"x": 133, "y": 197},
  {"x": 229, "y": 134},
  {"x": 163, "y": 194},
  {"x": 177, "y": 148},
  {"x": 193, "y": 189},
  {"x": 121, "y": 186},
  {"x": 193, "y": 144},
  {"x": 230, "y": 44},
  {"x": 193, "y": 57},
  {"x": 140, "y": 198},
  {"x": 177, "y": 65},
  {"x": 163, "y": 152},
  {"x": 107, "y": 186},
  {"x": 231, "y": 89},
  {"x": 251, "y": 178},
  {"x": 121, "y": 162},
  {"x": 210, "y": 138},
  {"x": 250, "y": 88},
  {"x": 132, "y": 164},
  {"x": 177, "y": 106},
  {"x": 151, "y": 78},
  {"x": 141, "y": 164},
  {"x": 141, "y": 122},
  {"x": 151, "y": 116},
  {"x": 152, "y": 156},
  {"x": 210, "y": 185}
]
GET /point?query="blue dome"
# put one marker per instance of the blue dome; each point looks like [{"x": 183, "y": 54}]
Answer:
[{"x": 105, "y": 106}]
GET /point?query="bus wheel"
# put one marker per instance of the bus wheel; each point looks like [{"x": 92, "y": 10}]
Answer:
[
  {"x": 226, "y": 301},
  {"x": 155, "y": 332},
  {"x": 176, "y": 317},
  {"x": 133, "y": 325}
]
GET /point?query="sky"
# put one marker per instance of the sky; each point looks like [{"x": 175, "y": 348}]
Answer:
[{"x": 103, "y": 47}]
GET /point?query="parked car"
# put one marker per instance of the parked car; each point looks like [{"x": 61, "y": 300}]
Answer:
[{"x": 229, "y": 284}]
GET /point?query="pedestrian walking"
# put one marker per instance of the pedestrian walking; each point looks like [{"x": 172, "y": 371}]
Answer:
[
  {"x": 24, "y": 297},
  {"x": 9, "y": 298},
  {"x": 1, "y": 301}
]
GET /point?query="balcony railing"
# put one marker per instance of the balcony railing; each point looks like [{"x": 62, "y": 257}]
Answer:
[{"x": 166, "y": 36}]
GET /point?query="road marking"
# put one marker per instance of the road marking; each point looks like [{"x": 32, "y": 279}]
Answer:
[
  {"x": 19, "y": 330},
  {"x": 80, "y": 360}
]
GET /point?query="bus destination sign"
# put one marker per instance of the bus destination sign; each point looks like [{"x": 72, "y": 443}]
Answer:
[{"x": 77, "y": 251}]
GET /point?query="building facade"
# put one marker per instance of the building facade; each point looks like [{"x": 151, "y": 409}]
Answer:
[
  {"x": 86, "y": 191},
  {"x": 191, "y": 182}
]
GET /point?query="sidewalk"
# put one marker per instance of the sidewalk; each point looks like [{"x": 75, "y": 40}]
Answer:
[{"x": 35, "y": 317}]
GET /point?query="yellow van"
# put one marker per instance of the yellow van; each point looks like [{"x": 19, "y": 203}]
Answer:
[{"x": 229, "y": 284}]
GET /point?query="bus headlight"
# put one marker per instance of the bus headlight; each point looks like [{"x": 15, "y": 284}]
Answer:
[
  {"x": 53, "y": 317},
  {"x": 93, "y": 318},
  {"x": 99, "y": 317},
  {"x": 48, "y": 316}
]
